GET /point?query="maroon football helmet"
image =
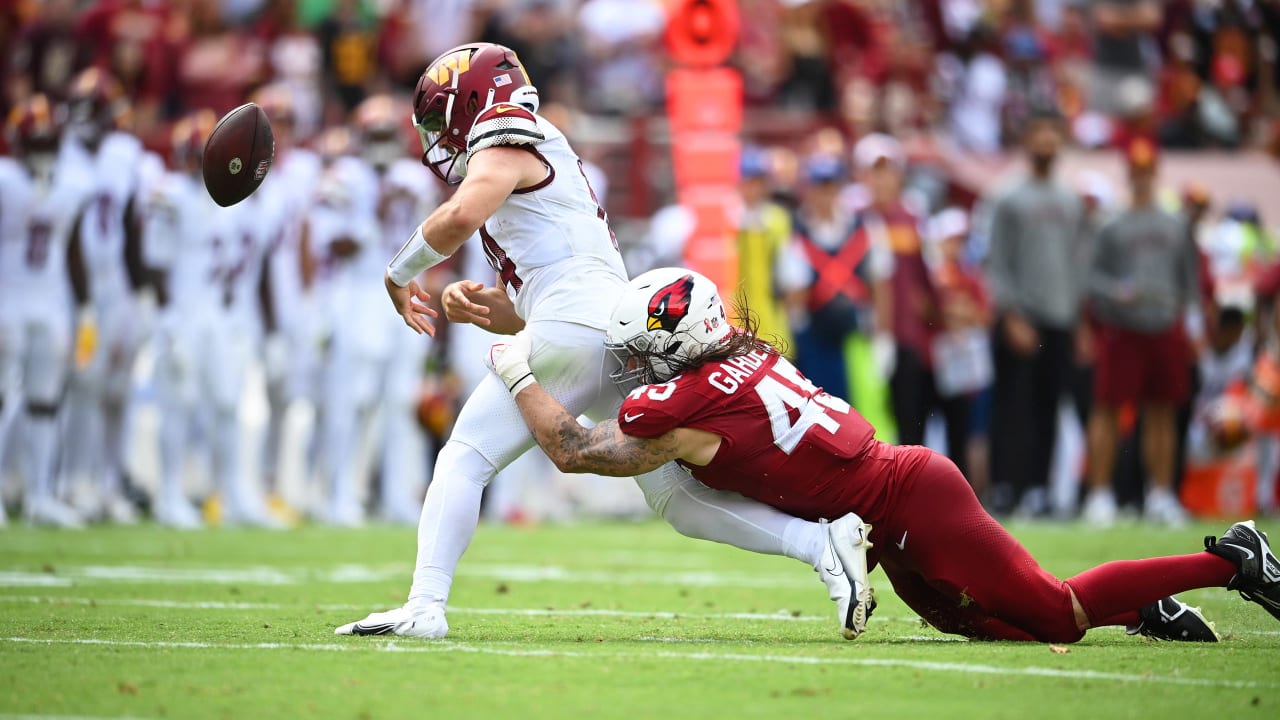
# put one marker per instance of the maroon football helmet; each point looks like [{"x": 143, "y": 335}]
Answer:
[
  {"x": 33, "y": 127},
  {"x": 98, "y": 105},
  {"x": 187, "y": 139},
  {"x": 454, "y": 89}
]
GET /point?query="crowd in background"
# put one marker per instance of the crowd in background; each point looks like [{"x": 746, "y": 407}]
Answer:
[{"x": 959, "y": 316}]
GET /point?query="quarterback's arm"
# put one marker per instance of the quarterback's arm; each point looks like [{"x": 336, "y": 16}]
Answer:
[{"x": 492, "y": 175}]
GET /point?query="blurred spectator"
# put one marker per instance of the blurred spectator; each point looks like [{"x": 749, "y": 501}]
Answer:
[
  {"x": 838, "y": 295},
  {"x": 541, "y": 36},
  {"x": 1124, "y": 51},
  {"x": 45, "y": 52},
  {"x": 1142, "y": 284},
  {"x": 219, "y": 63},
  {"x": 348, "y": 38},
  {"x": 962, "y": 353},
  {"x": 1239, "y": 245},
  {"x": 907, "y": 307},
  {"x": 1037, "y": 253},
  {"x": 619, "y": 42},
  {"x": 294, "y": 62},
  {"x": 136, "y": 41},
  {"x": 772, "y": 273},
  {"x": 979, "y": 94}
]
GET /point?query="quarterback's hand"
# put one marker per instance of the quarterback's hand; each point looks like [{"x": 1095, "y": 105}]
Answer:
[
  {"x": 458, "y": 306},
  {"x": 410, "y": 302},
  {"x": 510, "y": 361}
]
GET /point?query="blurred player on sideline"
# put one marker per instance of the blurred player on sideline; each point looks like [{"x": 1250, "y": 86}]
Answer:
[
  {"x": 181, "y": 231},
  {"x": 405, "y": 195},
  {"x": 110, "y": 321},
  {"x": 291, "y": 355},
  {"x": 727, "y": 406},
  {"x": 41, "y": 194},
  {"x": 522, "y": 187}
]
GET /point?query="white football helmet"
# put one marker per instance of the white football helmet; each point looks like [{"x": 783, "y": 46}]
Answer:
[{"x": 665, "y": 319}]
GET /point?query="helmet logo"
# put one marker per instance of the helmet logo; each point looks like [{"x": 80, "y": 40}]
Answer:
[
  {"x": 458, "y": 62},
  {"x": 503, "y": 79},
  {"x": 670, "y": 304}
]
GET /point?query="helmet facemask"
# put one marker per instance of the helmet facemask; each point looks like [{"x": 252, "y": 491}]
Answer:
[{"x": 639, "y": 361}]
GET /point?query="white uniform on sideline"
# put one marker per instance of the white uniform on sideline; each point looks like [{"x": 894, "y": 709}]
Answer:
[
  {"x": 344, "y": 219},
  {"x": 37, "y": 218},
  {"x": 291, "y": 354},
  {"x": 181, "y": 228},
  {"x": 243, "y": 239},
  {"x": 407, "y": 193},
  {"x": 99, "y": 386}
]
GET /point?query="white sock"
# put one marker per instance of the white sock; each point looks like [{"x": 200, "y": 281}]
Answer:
[
  {"x": 226, "y": 462},
  {"x": 805, "y": 541},
  {"x": 173, "y": 441},
  {"x": 405, "y": 462},
  {"x": 42, "y": 448},
  {"x": 341, "y": 438},
  {"x": 448, "y": 521},
  {"x": 697, "y": 511}
]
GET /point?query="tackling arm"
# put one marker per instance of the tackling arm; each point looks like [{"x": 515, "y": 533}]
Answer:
[{"x": 603, "y": 449}]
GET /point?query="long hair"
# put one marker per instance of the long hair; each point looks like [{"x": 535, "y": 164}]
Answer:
[{"x": 745, "y": 340}]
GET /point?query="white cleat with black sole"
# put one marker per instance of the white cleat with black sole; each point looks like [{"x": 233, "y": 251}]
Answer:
[
  {"x": 426, "y": 622},
  {"x": 844, "y": 571}
]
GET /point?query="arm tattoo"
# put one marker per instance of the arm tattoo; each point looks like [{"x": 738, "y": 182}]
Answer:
[{"x": 603, "y": 449}]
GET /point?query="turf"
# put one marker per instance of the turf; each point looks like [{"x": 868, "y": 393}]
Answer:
[{"x": 590, "y": 620}]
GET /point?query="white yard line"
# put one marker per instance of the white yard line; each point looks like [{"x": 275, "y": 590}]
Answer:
[
  {"x": 452, "y": 647},
  {"x": 782, "y": 615},
  {"x": 24, "y": 579},
  {"x": 266, "y": 575},
  {"x": 11, "y": 716}
]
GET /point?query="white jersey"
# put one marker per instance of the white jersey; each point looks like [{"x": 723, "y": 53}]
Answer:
[
  {"x": 37, "y": 219},
  {"x": 289, "y": 188},
  {"x": 178, "y": 236},
  {"x": 551, "y": 243},
  {"x": 242, "y": 240},
  {"x": 114, "y": 169},
  {"x": 406, "y": 194}
]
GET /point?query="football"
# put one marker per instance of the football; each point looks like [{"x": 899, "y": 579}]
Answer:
[{"x": 238, "y": 154}]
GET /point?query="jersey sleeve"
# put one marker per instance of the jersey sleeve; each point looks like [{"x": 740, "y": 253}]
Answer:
[
  {"x": 504, "y": 124},
  {"x": 650, "y": 411}
]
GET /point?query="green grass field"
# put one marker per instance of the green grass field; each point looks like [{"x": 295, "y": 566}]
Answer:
[{"x": 593, "y": 620}]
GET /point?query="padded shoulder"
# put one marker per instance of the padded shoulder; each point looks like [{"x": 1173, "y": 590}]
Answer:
[{"x": 504, "y": 124}]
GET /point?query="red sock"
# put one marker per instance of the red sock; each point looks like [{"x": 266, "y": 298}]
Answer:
[
  {"x": 1111, "y": 593},
  {"x": 1128, "y": 619}
]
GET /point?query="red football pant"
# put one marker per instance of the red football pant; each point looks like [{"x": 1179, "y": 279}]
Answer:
[{"x": 964, "y": 574}]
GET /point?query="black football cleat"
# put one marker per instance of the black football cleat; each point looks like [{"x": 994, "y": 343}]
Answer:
[
  {"x": 1258, "y": 571},
  {"x": 1172, "y": 619}
]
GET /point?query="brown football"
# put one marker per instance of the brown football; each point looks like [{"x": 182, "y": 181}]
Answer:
[{"x": 238, "y": 154}]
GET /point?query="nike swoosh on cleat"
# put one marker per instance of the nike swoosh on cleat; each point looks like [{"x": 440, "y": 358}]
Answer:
[{"x": 382, "y": 629}]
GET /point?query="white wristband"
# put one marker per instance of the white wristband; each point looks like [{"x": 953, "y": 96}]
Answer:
[
  {"x": 522, "y": 383},
  {"x": 415, "y": 257}
]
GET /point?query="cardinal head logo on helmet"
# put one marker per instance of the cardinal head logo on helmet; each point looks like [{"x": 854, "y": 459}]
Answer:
[{"x": 670, "y": 304}]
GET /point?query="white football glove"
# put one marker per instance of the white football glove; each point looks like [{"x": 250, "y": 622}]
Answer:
[{"x": 510, "y": 361}]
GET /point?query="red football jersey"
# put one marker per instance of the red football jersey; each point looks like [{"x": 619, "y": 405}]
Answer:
[{"x": 785, "y": 442}]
